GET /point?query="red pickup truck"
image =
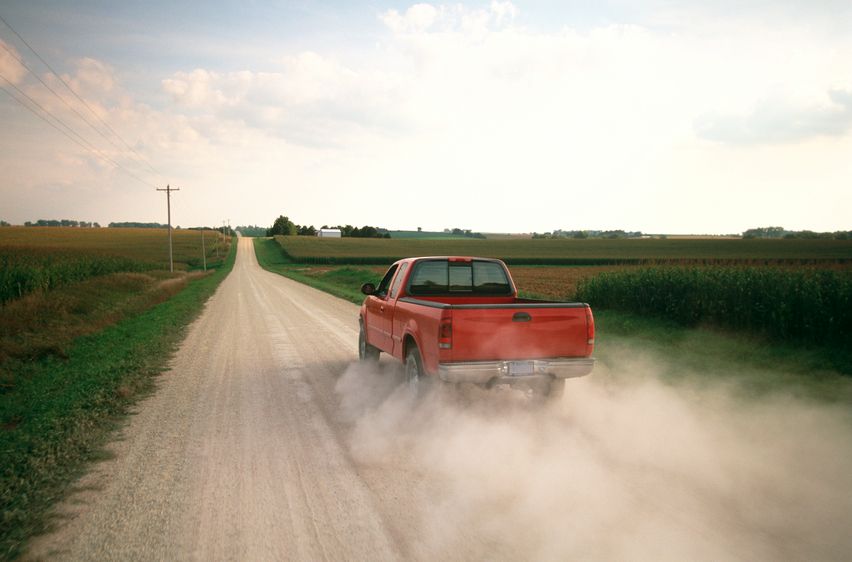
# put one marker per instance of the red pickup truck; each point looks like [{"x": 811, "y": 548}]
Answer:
[{"x": 460, "y": 319}]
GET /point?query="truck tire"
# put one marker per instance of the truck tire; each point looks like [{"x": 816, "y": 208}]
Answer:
[
  {"x": 366, "y": 352},
  {"x": 415, "y": 378}
]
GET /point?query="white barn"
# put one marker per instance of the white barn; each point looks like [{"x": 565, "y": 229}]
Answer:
[{"x": 329, "y": 233}]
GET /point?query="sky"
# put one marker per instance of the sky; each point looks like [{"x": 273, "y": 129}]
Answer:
[{"x": 664, "y": 116}]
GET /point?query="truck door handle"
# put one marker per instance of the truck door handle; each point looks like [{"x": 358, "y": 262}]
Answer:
[{"x": 521, "y": 317}]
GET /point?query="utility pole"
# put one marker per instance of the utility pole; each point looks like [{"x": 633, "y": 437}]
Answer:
[
  {"x": 203, "y": 250},
  {"x": 168, "y": 191}
]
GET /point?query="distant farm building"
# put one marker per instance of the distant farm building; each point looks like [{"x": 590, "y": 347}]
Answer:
[{"x": 329, "y": 233}]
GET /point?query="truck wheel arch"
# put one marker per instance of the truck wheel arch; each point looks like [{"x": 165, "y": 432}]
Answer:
[{"x": 407, "y": 342}]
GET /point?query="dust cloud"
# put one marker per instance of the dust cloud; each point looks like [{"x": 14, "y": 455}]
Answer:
[{"x": 625, "y": 467}]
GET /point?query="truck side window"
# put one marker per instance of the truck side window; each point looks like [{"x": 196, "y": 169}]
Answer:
[
  {"x": 398, "y": 281},
  {"x": 382, "y": 289}
]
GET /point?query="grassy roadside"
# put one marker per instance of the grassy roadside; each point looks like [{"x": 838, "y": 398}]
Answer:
[
  {"x": 748, "y": 364},
  {"x": 751, "y": 365},
  {"x": 340, "y": 282},
  {"x": 59, "y": 416}
]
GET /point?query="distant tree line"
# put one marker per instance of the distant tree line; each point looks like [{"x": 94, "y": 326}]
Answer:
[
  {"x": 252, "y": 230},
  {"x": 285, "y": 227},
  {"x": 583, "y": 234},
  {"x": 226, "y": 230},
  {"x": 462, "y": 232},
  {"x": 780, "y": 232},
  {"x": 364, "y": 232},
  {"x": 137, "y": 225},
  {"x": 4, "y": 223},
  {"x": 63, "y": 222}
]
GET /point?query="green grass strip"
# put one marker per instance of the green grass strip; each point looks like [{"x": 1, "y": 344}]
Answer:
[
  {"x": 61, "y": 415},
  {"x": 344, "y": 283}
]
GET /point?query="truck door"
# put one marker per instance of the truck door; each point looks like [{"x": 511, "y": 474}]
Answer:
[
  {"x": 379, "y": 314},
  {"x": 393, "y": 327}
]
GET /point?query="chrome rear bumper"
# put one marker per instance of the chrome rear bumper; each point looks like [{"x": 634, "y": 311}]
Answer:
[{"x": 500, "y": 372}]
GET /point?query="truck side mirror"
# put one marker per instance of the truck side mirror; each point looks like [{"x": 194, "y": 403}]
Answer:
[{"x": 368, "y": 288}]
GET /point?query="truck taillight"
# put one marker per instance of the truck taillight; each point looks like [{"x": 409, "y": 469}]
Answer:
[
  {"x": 445, "y": 333},
  {"x": 590, "y": 329}
]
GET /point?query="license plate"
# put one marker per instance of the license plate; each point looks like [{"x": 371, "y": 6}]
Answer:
[{"x": 520, "y": 368}]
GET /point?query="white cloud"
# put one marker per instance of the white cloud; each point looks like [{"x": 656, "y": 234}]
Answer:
[
  {"x": 10, "y": 68},
  {"x": 93, "y": 76},
  {"x": 417, "y": 18},
  {"x": 312, "y": 100},
  {"x": 781, "y": 121},
  {"x": 503, "y": 11},
  {"x": 424, "y": 18},
  {"x": 458, "y": 102}
]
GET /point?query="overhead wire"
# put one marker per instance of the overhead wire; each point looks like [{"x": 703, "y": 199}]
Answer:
[
  {"x": 82, "y": 142},
  {"x": 76, "y": 95},
  {"x": 82, "y": 139},
  {"x": 63, "y": 100}
]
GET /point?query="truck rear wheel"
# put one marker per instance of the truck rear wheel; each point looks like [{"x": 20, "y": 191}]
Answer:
[
  {"x": 415, "y": 379},
  {"x": 366, "y": 352}
]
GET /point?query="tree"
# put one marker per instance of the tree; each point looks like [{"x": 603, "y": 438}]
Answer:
[
  {"x": 765, "y": 232},
  {"x": 282, "y": 226}
]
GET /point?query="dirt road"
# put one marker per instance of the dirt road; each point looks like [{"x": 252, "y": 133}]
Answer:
[{"x": 266, "y": 441}]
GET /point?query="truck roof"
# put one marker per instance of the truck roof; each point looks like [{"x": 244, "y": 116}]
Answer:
[{"x": 452, "y": 258}]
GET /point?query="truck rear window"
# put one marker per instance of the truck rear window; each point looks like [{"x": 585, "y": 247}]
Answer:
[{"x": 441, "y": 277}]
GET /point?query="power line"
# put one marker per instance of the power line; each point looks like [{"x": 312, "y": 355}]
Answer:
[
  {"x": 89, "y": 146},
  {"x": 63, "y": 100},
  {"x": 70, "y": 89},
  {"x": 67, "y": 127},
  {"x": 82, "y": 142}
]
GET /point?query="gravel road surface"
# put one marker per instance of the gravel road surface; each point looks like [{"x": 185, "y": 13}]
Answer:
[
  {"x": 237, "y": 455},
  {"x": 267, "y": 441}
]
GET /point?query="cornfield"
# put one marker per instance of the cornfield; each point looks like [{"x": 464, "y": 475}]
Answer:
[
  {"x": 813, "y": 305},
  {"x": 26, "y": 270},
  {"x": 41, "y": 259},
  {"x": 370, "y": 251}
]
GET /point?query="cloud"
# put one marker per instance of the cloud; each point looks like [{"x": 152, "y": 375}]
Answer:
[
  {"x": 418, "y": 17},
  {"x": 503, "y": 11},
  {"x": 774, "y": 121},
  {"x": 422, "y": 18},
  {"x": 312, "y": 100},
  {"x": 10, "y": 68},
  {"x": 457, "y": 101}
]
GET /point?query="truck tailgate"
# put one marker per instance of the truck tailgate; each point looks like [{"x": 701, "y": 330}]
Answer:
[{"x": 519, "y": 331}]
